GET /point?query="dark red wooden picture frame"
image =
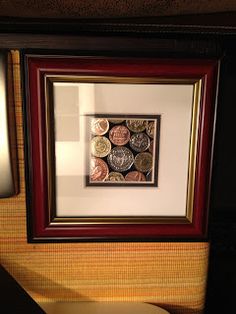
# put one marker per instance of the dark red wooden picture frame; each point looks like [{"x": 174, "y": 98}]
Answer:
[{"x": 42, "y": 225}]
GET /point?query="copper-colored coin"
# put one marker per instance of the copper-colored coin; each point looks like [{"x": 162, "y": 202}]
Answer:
[
  {"x": 115, "y": 176},
  {"x": 143, "y": 162},
  {"x": 150, "y": 129},
  {"x": 100, "y": 146},
  {"x": 135, "y": 176},
  {"x": 99, "y": 126},
  {"x": 116, "y": 121},
  {"x": 120, "y": 158},
  {"x": 98, "y": 170},
  {"x": 119, "y": 135},
  {"x": 137, "y": 125},
  {"x": 139, "y": 142}
]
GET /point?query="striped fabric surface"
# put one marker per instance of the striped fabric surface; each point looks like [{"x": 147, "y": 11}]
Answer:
[{"x": 172, "y": 275}]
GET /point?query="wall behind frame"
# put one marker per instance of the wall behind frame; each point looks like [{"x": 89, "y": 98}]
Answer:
[{"x": 172, "y": 275}]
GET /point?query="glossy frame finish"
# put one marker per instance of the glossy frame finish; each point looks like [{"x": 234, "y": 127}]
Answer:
[
  {"x": 8, "y": 165},
  {"x": 43, "y": 225}
]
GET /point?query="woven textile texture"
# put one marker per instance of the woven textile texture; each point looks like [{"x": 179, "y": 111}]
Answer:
[{"x": 172, "y": 275}]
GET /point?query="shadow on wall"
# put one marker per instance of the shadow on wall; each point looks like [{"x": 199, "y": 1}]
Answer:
[
  {"x": 43, "y": 287},
  {"x": 176, "y": 309}
]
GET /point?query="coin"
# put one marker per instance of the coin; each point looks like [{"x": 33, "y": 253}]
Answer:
[
  {"x": 135, "y": 176},
  {"x": 119, "y": 135},
  {"x": 151, "y": 147},
  {"x": 139, "y": 142},
  {"x": 136, "y": 125},
  {"x": 116, "y": 121},
  {"x": 143, "y": 162},
  {"x": 99, "y": 126},
  {"x": 150, "y": 129},
  {"x": 100, "y": 146},
  {"x": 115, "y": 176},
  {"x": 98, "y": 169},
  {"x": 120, "y": 158}
]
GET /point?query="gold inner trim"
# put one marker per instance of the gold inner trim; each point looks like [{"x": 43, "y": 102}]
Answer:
[
  {"x": 193, "y": 149},
  {"x": 197, "y": 90}
]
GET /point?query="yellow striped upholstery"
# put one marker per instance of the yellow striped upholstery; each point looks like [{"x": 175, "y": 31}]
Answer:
[{"x": 172, "y": 275}]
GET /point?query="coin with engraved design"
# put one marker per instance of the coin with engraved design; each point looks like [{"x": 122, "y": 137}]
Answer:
[
  {"x": 143, "y": 162},
  {"x": 150, "y": 129},
  {"x": 139, "y": 142},
  {"x": 137, "y": 125},
  {"x": 119, "y": 135},
  {"x": 151, "y": 147},
  {"x": 115, "y": 177},
  {"x": 100, "y": 146},
  {"x": 98, "y": 169},
  {"x": 120, "y": 158},
  {"x": 135, "y": 176},
  {"x": 99, "y": 126},
  {"x": 116, "y": 121}
]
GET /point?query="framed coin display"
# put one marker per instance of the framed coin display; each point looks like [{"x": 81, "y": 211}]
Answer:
[
  {"x": 124, "y": 144},
  {"x": 118, "y": 148}
]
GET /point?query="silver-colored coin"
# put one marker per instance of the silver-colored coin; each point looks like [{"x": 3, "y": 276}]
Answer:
[
  {"x": 139, "y": 142},
  {"x": 120, "y": 158}
]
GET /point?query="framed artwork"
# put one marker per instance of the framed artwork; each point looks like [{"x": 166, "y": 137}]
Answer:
[{"x": 118, "y": 149}]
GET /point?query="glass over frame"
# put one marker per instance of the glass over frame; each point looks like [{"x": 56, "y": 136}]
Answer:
[{"x": 124, "y": 147}]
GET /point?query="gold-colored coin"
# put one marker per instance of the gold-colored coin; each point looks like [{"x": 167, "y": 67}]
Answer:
[
  {"x": 150, "y": 129},
  {"x": 136, "y": 125},
  {"x": 115, "y": 121},
  {"x": 143, "y": 162},
  {"x": 100, "y": 146},
  {"x": 115, "y": 176}
]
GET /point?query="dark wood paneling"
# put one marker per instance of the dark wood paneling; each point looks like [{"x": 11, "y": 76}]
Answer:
[{"x": 203, "y": 24}]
